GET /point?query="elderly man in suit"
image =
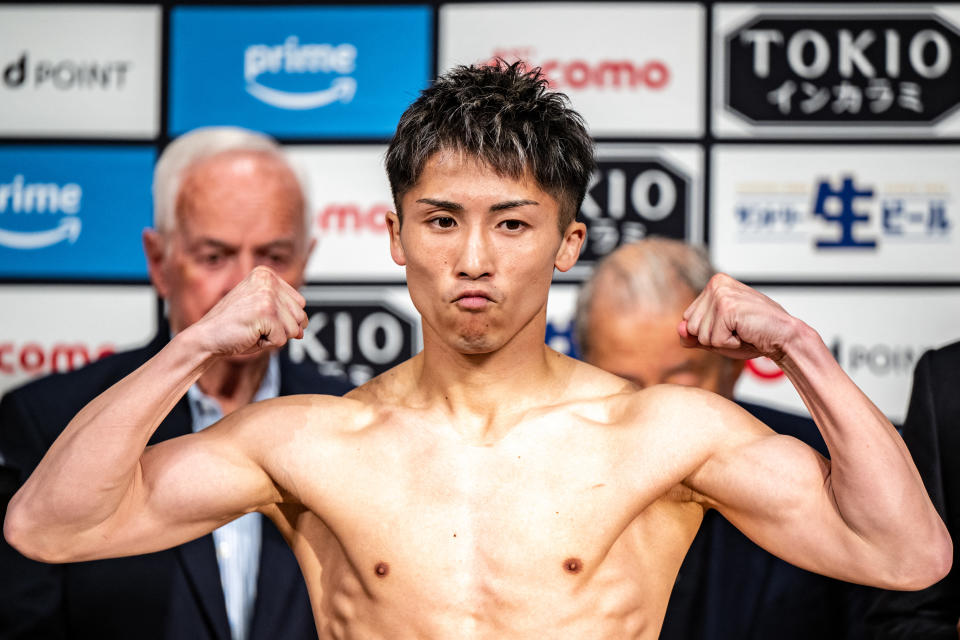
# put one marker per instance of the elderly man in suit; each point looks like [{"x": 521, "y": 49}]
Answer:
[{"x": 225, "y": 201}]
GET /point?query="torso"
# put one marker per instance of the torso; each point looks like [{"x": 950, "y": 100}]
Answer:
[{"x": 573, "y": 525}]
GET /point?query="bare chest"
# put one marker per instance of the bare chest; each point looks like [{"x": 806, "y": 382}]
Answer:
[{"x": 528, "y": 525}]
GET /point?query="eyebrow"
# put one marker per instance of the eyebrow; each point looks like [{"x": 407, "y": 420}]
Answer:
[
  {"x": 453, "y": 206},
  {"x": 223, "y": 246}
]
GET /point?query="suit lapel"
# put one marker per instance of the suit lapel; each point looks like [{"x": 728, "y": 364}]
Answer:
[{"x": 198, "y": 558}]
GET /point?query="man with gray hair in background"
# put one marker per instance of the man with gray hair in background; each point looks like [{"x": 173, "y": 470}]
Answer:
[
  {"x": 225, "y": 201},
  {"x": 728, "y": 588}
]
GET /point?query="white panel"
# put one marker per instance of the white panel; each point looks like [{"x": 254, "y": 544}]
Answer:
[
  {"x": 629, "y": 69},
  {"x": 766, "y": 223},
  {"x": 349, "y": 195},
  {"x": 79, "y": 71}
]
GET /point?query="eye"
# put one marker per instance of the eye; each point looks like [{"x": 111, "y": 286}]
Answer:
[
  {"x": 211, "y": 259},
  {"x": 443, "y": 222},
  {"x": 513, "y": 225}
]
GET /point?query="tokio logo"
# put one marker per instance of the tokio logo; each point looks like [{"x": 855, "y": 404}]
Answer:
[
  {"x": 64, "y": 75},
  {"x": 358, "y": 338},
  {"x": 296, "y": 69},
  {"x": 579, "y": 74},
  {"x": 628, "y": 199},
  {"x": 834, "y": 69},
  {"x": 34, "y": 215}
]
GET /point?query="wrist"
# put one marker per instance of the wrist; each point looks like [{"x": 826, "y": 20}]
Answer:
[
  {"x": 191, "y": 343},
  {"x": 802, "y": 347}
]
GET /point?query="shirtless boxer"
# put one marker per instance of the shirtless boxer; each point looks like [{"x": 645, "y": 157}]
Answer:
[{"x": 482, "y": 488}]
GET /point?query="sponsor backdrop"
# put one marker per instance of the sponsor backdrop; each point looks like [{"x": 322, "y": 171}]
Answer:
[{"x": 812, "y": 148}]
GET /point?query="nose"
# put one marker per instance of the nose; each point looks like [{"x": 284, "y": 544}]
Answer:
[{"x": 475, "y": 259}]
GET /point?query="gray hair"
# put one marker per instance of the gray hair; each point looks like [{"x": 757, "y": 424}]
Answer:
[
  {"x": 655, "y": 273},
  {"x": 198, "y": 145}
]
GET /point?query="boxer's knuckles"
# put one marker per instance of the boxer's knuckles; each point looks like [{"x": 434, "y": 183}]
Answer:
[
  {"x": 736, "y": 320},
  {"x": 261, "y": 311}
]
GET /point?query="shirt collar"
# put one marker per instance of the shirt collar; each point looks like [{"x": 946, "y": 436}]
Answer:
[{"x": 205, "y": 410}]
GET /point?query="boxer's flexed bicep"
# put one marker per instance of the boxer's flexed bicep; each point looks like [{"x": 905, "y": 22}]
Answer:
[{"x": 780, "y": 493}]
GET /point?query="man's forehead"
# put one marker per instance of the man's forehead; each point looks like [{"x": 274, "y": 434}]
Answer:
[{"x": 453, "y": 176}]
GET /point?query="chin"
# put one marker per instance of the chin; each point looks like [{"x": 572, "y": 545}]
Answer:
[{"x": 475, "y": 344}]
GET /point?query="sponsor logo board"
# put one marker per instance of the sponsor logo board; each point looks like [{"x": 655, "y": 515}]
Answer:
[
  {"x": 298, "y": 71},
  {"x": 877, "y": 336},
  {"x": 349, "y": 197},
  {"x": 358, "y": 332},
  {"x": 79, "y": 71},
  {"x": 637, "y": 191},
  {"x": 61, "y": 328},
  {"x": 836, "y": 213},
  {"x": 74, "y": 212},
  {"x": 628, "y": 69},
  {"x": 838, "y": 70}
]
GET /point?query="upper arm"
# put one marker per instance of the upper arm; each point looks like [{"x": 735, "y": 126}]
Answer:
[
  {"x": 187, "y": 486},
  {"x": 774, "y": 488}
]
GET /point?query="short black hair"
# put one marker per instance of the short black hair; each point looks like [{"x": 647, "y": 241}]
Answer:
[{"x": 505, "y": 116}]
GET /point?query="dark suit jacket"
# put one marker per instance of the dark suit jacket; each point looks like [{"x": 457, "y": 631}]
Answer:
[
  {"x": 728, "y": 588},
  {"x": 173, "y": 594},
  {"x": 932, "y": 433}
]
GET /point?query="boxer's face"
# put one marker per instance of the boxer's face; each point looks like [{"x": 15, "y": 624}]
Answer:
[
  {"x": 234, "y": 211},
  {"x": 644, "y": 347},
  {"x": 479, "y": 251}
]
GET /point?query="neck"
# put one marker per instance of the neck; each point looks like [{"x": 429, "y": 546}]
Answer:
[
  {"x": 234, "y": 382},
  {"x": 485, "y": 394}
]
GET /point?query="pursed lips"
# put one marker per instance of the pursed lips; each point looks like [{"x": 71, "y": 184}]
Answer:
[{"x": 473, "y": 300}]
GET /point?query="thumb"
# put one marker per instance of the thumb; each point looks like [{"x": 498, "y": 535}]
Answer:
[{"x": 686, "y": 338}]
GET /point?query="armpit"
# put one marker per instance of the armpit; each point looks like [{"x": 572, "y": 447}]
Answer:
[{"x": 683, "y": 493}]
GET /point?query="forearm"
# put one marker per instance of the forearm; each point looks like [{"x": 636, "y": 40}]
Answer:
[
  {"x": 873, "y": 482},
  {"x": 87, "y": 472}
]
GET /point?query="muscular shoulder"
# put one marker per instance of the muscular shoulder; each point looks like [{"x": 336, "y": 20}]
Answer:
[
  {"x": 694, "y": 424},
  {"x": 279, "y": 419}
]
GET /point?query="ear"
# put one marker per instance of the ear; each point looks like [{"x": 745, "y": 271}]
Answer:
[
  {"x": 396, "y": 247},
  {"x": 155, "y": 249},
  {"x": 569, "y": 250}
]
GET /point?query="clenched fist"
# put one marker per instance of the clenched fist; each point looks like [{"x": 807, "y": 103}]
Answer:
[
  {"x": 739, "y": 322},
  {"x": 261, "y": 312}
]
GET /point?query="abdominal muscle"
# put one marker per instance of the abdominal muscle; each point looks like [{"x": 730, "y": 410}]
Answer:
[{"x": 467, "y": 595}]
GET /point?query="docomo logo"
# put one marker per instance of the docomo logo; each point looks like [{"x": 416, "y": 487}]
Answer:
[
  {"x": 352, "y": 217},
  {"x": 20, "y": 197},
  {"x": 293, "y": 58},
  {"x": 33, "y": 358},
  {"x": 601, "y": 74}
]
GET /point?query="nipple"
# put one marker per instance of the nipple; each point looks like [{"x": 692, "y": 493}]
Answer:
[{"x": 572, "y": 565}]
